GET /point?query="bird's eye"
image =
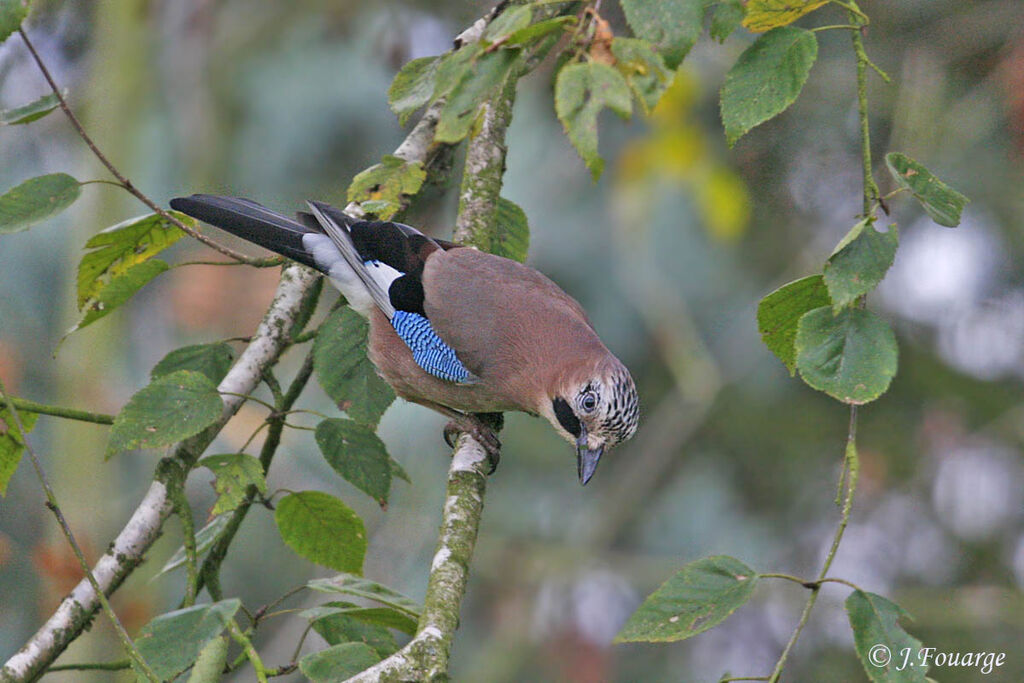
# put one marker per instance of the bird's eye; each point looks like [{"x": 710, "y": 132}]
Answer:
[{"x": 588, "y": 402}]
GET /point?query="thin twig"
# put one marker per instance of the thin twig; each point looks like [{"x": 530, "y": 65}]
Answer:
[{"x": 28, "y": 406}]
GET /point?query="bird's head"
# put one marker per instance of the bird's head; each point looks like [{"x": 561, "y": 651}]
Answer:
[{"x": 595, "y": 410}]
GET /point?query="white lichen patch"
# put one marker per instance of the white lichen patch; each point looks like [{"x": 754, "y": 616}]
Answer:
[{"x": 440, "y": 558}]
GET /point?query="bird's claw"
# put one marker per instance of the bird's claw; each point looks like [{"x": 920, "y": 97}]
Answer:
[{"x": 480, "y": 433}]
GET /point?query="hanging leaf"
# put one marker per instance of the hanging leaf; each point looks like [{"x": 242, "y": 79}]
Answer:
[
  {"x": 727, "y": 17},
  {"x": 33, "y": 111},
  {"x": 413, "y": 86},
  {"x": 209, "y": 667},
  {"x": 171, "y": 642},
  {"x": 204, "y": 541},
  {"x": 118, "y": 290},
  {"x": 512, "y": 19},
  {"x": 779, "y": 313},
  {"x": 673, "y": 27},
  {"x": 213, "y": 360},
  {"x": 859, "y": 263},
  {"x": 581, "y": 92},
  {"x": 763, "y": 15},
  {"x": 512, "y": 231},
  {"x": 700, "y": 596},
  {"x": 850, "y": 356},
  {"x": 234, "y": 473},
  {"x": 941, "y": 202},
  {"x": 322, "y": 529},
  {"x": 478, "y": 82},
  {"x": 391, "y": 182},
  {"x": 36, "y": 199},
  {"x": 387, "y": 617},
  {"x": 344, "y": 370},
  {"x": 12, "y": 13},
  {"x": 357, "y": 586},
  {"x": 358, "y": 455},
  {"x": 643, "y": 68},
  {"x": 335, "y": 624},
  {"x": 766, "y": 79},
  {"x": 542, "y": 28},
  {"x": 12, "y": 443},
  {"x": 880, "y": 641},
  {"x": 338, "y": 662},
  {"x": 166, "y": 411}
]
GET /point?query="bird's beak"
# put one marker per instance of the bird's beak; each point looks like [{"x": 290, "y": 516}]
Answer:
[{"x": 586, "y": 457}]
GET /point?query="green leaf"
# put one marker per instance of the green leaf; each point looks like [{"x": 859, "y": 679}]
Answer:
[
  {"x": 234, "y": 473},
  {"x": 542, "y": 28},
  {"x": 514, "y": 18},
  {"x": 338, "y": 662},
  {"x": 344, "y": 370},
  {"x": 581, "y": 92},
  {"x": 398, "y": 471},
  {"x": 389, "y": 181},
  {"x": 358, "y": 455},
  {"x": 482, "y": 77},
  {"x": 381, "y": 616},
  {"x": 12, "y": 13},
  {"x": 763, "y": 15},
  {"x": 412, "y": 87},
  {"x": 33, "y": 111},
  {"x": 726, "y": 18},
  {"x": 117, "y": 290},
  {"x": 766, "y": 79},
  {"x": 701, "y": 595},
  {"x": 204, "y": 541},
  {"x": 336, "y": 623},
  {"x": 859, "y": 263},
  {"x": 779, "y": 313},
  {"x": 643, "y": 68},
  {"x": 36, "y": 199},
  {"x": 357, "y": 586},
  {"x": 941, "y": 202},
  {"x": 213, "y": 360},
  {"x": 172, "y": 642},
  {"x": 673, "y": 27},
  {"x": 850, "y": 356},
  {"x": 118, "y": 248},
  {"x": 12, "y": 443},
  {"x": 322, "y": 529},
  {"x": 209, "y": 667},
  {"x": 880, "y": 641},
  {"x": 512, "y": 231},
  {"x": 166, "y": 411}
]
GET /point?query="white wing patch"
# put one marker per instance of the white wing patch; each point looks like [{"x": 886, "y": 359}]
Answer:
[{"x": 326, "y": 255}]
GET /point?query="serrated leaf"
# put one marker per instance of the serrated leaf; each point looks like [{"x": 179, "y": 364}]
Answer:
[
  {"x": 512, "y": 231},
  {"x": 322, "y": 529},
  {"x": 36, "y": 199},
  {"x": 779, "y": 313},
  {"x": 27, "y": 113},
  {"x": 358, "y": 455},
  {"x": 12, "y": 13},
  {"x": 727, "y": 17},
  {"x": 117, "y": 290},
  {"x": 234, "y": 473},
  {"x": 859, "y": 263},
  {"x": 357, "y": 586},
  {"x": 344, "y": 370},
  {"x": 381, "y": 616},
  {"x": 204, "y": 541},
  {"x": 209, "y": 667},
  {"x": 413, "y": 87},
  {"x": 643, "y": 68},
  {"x": 851, "y": 356},
  {"x": 213, "y": 360},
  {"x": 941, "y": 202},
  {"x": 581, "y": 92},
  {"x": 12, "y": 443},
  {"x": 764, "y": 15},
  {"x": 539, "y": 30},
  {"x": 123, "y": 246},
  {"x": 673, "y": 27},
  {"x": 701, "y": 595},
  {"x": 512, "y": 19},
  {"x": 166, "y": 411},
  {"x": 879, "y": 639},
  {"x": 766, "y": 79},
  {"x": 479, "y": 80},
  {"x": 390, "y": 181},
  {"x": 338, "y": 662},
  {"x": 172, "y": 642}
]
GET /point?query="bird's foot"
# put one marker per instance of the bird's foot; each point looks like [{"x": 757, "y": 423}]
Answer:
[{"x": 480, "y": 432}]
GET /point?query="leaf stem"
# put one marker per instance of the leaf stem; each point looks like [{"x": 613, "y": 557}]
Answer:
[
  {"x": 250, "y": 651},
  {"x": 116, "y": 665},
  {"x": 27, "y": 406}
]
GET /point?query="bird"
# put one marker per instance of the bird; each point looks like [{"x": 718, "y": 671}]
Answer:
[{"x": 452, "y": 328}]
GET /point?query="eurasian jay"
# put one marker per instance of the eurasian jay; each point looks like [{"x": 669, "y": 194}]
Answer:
[{"x": 452, "y": 328}]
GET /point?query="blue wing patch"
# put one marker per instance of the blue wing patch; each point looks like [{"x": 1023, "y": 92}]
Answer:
[{"x": 428, "y": 350}]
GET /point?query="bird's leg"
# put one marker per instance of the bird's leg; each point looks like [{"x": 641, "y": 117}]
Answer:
[{"x": 480, "y": 426}]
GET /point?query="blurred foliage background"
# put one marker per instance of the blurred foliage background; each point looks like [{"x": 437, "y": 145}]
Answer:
[{"x": 669, "y": 252}]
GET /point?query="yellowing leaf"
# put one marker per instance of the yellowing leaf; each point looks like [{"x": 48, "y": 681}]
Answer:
[{"x": 764, "y": 15}]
